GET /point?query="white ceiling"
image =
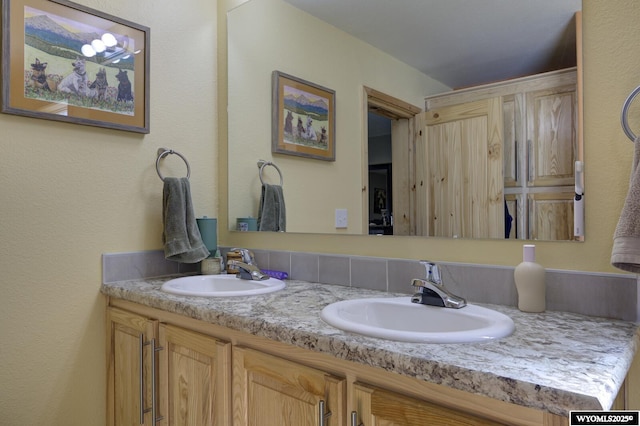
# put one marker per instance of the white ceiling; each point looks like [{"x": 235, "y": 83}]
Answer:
[{"x": 461, "y": 42}]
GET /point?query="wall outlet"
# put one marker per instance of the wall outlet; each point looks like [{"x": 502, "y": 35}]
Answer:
[{"x": 341, "y": 218}]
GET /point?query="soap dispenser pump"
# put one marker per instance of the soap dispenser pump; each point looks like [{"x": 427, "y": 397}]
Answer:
[{"x": 530, "y": 282}]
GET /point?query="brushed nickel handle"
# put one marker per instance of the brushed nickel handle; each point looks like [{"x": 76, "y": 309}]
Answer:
[
  {"x": 354, "y": 419},
  {"x": 529, "y": 162},
  {"x": 141, "y": 352},
  {"x": 153, "y": 408},
  {"x": 323, "y": 416}
]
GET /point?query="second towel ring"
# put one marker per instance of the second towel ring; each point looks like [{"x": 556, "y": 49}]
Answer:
[
  {"x": 625, "y": 112},
  {"x": 262, "y": 164},
  {"x": 163, "y": 152}
]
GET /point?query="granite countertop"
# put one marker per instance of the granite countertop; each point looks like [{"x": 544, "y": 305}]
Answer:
[{"x": 554, "y": 361}]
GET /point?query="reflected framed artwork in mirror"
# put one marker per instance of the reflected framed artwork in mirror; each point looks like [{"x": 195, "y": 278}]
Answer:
[{"x": 303, "y": 118}]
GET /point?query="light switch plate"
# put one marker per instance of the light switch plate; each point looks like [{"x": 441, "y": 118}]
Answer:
[{"x": 341, "y": 218}]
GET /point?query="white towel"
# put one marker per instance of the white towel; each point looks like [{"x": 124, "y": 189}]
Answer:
[{"x": 625, "y": 254}]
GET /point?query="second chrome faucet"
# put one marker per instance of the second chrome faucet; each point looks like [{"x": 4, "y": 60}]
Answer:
[{"x": 431, "y": 290}]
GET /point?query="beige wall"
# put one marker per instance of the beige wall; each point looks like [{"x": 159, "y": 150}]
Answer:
[
  {"x": 70, "y": 193},
  {"x": 334, "y": 59},
  {"x": 611, "y": 72}
]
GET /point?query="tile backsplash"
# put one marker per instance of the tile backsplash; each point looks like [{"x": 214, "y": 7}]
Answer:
[{"x": 595, "y": 294}]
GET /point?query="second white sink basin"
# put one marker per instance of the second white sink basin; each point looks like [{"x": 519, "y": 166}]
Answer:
[
  {"x": 224, "y": 285},
  {"x": 399, "y": 319}
]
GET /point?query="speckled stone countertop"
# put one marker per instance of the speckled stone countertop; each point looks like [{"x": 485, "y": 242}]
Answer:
[{"x": 554, "y": 361}]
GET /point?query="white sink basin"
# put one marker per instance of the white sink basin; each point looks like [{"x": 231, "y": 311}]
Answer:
[
  {"x": 220, "y": 286},
  {"x": 399, "y": 319}
]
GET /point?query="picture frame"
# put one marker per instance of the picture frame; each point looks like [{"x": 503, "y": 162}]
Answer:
[
  {"x": 66, "y": 62},
  {"x": 303, "y": 118}
]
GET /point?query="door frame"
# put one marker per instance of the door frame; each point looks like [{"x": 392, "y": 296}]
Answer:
[{"x": 402, "y": 115}]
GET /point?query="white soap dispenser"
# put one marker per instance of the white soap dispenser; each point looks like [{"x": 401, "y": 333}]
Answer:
[{"x": 530, "y": 282}]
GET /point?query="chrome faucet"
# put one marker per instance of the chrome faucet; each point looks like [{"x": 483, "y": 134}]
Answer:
[
  {"x": 247, "y": 267},
  {"x": 431, "y": 291}
]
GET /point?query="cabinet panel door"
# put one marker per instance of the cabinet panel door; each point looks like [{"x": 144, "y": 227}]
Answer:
[
  {"x": 551, "y": 216},
  {"x": 128, "y": 379},
  {"x": 552, "y": 124},
  {"x": 463, "y": 170},
  {"x": 513, "y": 113},
  {"x": 378, "y": 407},
  {"x": 194, "y": 378},
  {"x": 271, "y": 391}
]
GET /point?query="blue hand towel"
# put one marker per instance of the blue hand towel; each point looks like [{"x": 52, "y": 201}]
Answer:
[
  {"x": 272, "y": 214},
  {"x": 181, "y": 236}
]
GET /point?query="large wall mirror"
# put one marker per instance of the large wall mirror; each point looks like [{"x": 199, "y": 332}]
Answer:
[{"x": 401, "y": 165}]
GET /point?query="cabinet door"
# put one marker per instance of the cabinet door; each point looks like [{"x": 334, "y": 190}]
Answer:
[
  {"x": 378, "y": 407},
  {"x": 271, "y": 391},
  {"x": 463, "y": 171},
  {"x": 551, "y": 216},
  {"x": 513, "y": 113},
  {"x": 552, "y": 123},
  {"x": 129, "y": 368},
  {"x": 194, "y": 378}
]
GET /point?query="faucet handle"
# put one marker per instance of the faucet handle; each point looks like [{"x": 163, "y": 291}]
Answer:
[{"x": 432, "y": 272}]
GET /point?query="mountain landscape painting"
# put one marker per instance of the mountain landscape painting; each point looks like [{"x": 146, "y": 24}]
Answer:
[{"x": 306, "y": 118}]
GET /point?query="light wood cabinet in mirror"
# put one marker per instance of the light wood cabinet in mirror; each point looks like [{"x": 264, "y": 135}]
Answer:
[{"x": 531, "y": 147}]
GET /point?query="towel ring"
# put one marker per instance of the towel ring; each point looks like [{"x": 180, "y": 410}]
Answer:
[
  {"x": 262, "y": 164},
  {"x": 625, "y": 113},
  {"x": 163, "y": 152}
]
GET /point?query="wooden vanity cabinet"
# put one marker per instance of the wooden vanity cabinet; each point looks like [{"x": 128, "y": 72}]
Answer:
[
  {"x": 376, "y": 406},
  {"x": 128, "y": 394},
  {"x": 194, "y": 378},
  {"x": 272, "y": 391},
  {"x": 207, "y": 374},
  {"x": 190, "y": 373}
]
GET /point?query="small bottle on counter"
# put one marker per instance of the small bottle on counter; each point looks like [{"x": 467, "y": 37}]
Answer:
[
  {"x": 212, "y": 265},
  {"x": 530, "y": 282}
]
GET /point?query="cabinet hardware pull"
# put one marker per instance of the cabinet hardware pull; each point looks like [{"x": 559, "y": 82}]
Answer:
[
  {"x": 354, "y": 419},
  {"x": 529, "y": 162},
  {"x": 515, "y": 155},
  {"x": 142, "y": 410},
  {"x": 153, "y": 408},
  {"x": 323, "y": 416}
]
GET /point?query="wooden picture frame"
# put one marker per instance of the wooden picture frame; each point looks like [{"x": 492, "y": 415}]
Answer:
[
  {"x": 303, "y": 118},
  {"x": 66, "y": 62}
]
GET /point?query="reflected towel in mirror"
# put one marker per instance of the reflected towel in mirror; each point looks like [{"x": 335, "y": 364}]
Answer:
[{"x": 272, "y": 214}]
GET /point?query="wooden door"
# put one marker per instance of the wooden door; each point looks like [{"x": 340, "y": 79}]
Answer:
[
  {"x": 271, "y": 391},
  {"x": 129, "y": 370},
  {"x": 195, "y": 374},
  {"x": 551, "y": 132},
  {"x": 551, "y": 216},
  {"x": 378, "y": 407},
  {"x": 461, "y": 164}
]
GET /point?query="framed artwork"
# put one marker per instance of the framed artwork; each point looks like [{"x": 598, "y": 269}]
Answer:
[
  {"x": 379, "y": 200},
  {"x": 303, "y": 118},
  {"x": 66, "y": 62}
]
